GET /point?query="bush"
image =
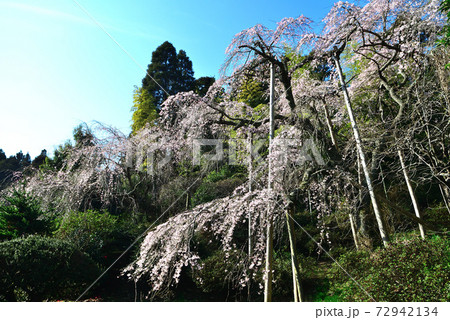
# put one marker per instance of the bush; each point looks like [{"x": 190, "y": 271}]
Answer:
[
  {"x": 408, "y": 270},
  {"x": 88, "y": 231},
  {"x": 219, "y": 184},
  {"x": 39, "y": 268},
  {"x": 173, "y": 197},
  {"x": 20, "y": 215},
  {"x": 226, "y": 172},
  {"x": 215, "y": 276},
  {"x": 437, "y": 215},
  {"x": 282, "y": 277},
  {"x": 209, "y": 191}
]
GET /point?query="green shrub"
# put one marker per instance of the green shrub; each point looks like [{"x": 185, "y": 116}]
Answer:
[
  {"x": 407, "y": 270},
  {"x": 219, "y": 184},
  {"x": 173, "y": 197},
  {"x": 214, "y": 277},
  {"x": 39, "y": 268},
  {"x": 437, "y": 215},
  {"x": 20, "y": 215},
  {"x": 282, "y": 276},
  {"x": 226, "y": 172},
  {"x": 88, "y": 231},
  {"x": 209, "y": 191}
]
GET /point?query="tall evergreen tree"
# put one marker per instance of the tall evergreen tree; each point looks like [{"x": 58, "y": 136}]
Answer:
[
  {"x": 168, "y": 73},
  {"x": 40, "y": 159},
  {"x": 202, "y": 85},
  {"x": 185, "y": 73}
]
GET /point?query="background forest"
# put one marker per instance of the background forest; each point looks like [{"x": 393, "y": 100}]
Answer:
[{"x": 315, "y": 169}]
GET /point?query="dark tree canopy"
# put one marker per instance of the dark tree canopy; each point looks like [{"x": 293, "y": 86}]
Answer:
[
  {"x": 24, "y": 160},
  {"x": 202, "y": 85},
  {"x": 185, "y": 73},
  {"x": 82, "y": 135},
  {"x": 40, "y": 159},
  {"x": 168, "y": 73},
  {"x": 11, "y": 165}
]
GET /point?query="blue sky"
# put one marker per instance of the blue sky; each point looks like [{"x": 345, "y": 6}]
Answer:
[{"x": 58, "y": 68}]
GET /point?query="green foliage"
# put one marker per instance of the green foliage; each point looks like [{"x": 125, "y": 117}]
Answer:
[
  {"x": 40, "y": 159},
  {"x": 173, "y": 197},
  {"x": 170, "y": 71},
  {"x": 21, "y": 214},
  {"x": 408, "y": 270},
  {"x": 357, "y": 264},
  {"x": 445, "y": 8},
  {"x": 103, "y": 238},
  {"x": 9, "y": 166},
  {"x": 214, "y": 276},
  {"x": 39, "y": 268},
  {"x": 437, "y": 214},
  {"x": 61, "y": 154},
  {"x": 209, "y": 191},
  {"x": 144, "y": 110},
  {"x": 83, "y": 136},
  {"x": 218, "y": 184},
  {"x": 319, "y": 72},
  {"x": 282, "y": 276},
  {"x": 261, "y": 111},
  {"x": 202, "y": 85},
  {"x": 88, "y": 231},
  {"x": 252, "y": 92},
  {"x": 356, "y": 67},
  {"x": 226, "y": 172}
]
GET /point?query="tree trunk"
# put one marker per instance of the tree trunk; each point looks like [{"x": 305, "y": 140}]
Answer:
[
  {"x": 411, "y": 192},
  {"x": 269, "y": 236},
  {"x": 383, "y": 233},
  {"x": 286, "y": 81}
]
